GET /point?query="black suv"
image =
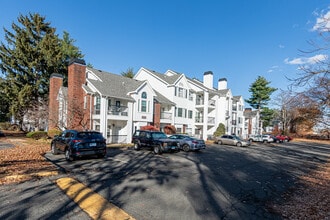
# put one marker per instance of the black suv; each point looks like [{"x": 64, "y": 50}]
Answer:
[
  {"x": 155, "y": 140},
  {"x": 78, "y": 144}
]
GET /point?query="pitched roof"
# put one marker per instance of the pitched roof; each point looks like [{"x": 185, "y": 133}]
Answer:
[
  {"x": 250, "y": 114},
  {"x": 162, "y": 99},
  {"x": 113, "y": 85},
  {"x": 168, "y": 79}
]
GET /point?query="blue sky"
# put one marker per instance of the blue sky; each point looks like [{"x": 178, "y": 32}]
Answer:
[{"x": 235, "y": 39}]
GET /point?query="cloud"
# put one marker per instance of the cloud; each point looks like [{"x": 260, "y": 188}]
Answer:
[
  {"x": 272, "y": 69},
  {"x": 322, "y": 23},
  {"x": 281, "y": 46},
  {"x": 306, "y": 60}
]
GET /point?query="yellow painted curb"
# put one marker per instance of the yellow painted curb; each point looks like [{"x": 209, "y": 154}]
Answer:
[{"x": 92, "y": 203}]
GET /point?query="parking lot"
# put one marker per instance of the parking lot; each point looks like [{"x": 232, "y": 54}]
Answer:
[{"x": 221, "y": 182}]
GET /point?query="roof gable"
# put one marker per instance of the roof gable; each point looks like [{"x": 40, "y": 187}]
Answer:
[{"x": 113, "y": 85}]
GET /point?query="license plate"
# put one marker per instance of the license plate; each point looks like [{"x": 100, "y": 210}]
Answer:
[{"x": 92, "y": 144}]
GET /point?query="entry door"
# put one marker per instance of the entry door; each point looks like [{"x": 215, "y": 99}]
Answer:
[{"x": 115, "y": 134}]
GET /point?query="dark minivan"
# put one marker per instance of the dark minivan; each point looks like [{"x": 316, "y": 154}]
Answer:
[{"x": 74, "y": 144}]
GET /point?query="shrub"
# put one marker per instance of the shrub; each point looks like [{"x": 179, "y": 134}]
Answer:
[
  {"x": 221, "y": 130},
  {"x": 37, "y": 135},
  {"x": 4, "y": 125},
  {"x": 52, "y": 132}
]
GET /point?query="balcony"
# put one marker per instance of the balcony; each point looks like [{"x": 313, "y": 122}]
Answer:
[
  {"x": 199, "y": 101},
  {"x": 166, "y": 115},
  {"x": 120, "y": 111},
  {"x": 199, "y": 120}
]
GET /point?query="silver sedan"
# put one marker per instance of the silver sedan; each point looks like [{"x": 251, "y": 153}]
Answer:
[{"x": 232, "y": 140}]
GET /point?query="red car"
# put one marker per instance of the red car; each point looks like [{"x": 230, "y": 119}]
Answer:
[{"x": 283, "y": 138}]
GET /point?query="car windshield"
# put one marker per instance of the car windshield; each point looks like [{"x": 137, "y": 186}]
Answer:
[
  {"x": 158, "y": 135},
  {"x": 90, "y": 135}
]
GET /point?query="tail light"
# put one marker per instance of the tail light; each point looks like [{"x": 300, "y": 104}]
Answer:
[{"x": 76, "y": 141}]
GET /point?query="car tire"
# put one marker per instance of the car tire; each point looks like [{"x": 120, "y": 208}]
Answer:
[
  {"x": 68, "y": 155},
  {"x": 157, "y": 150},
  {"x": 185, "y": 148},
  {"x": 136, "y": 146},
  {"x": 54, "y": 149},
  {"x": 239, "y": 144},
  {"x": 220, "y": 142}
]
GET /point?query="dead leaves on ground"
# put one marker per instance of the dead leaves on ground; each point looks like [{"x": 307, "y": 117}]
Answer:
[{"x": 22, "y": 162}]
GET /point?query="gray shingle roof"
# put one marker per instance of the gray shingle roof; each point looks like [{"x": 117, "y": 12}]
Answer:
[
  {"x": 168, "y": 79},
  {"x": 162, "y": 99},
  {"x": 113, "y": 85}
]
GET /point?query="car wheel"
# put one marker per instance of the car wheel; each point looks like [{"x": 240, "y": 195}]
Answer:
[
  {"x": 185, "y": 148},
  {"x": 220, "y": 142},
  {"x": 265, "y": 141},
  {"x": 54, "y": 149},
  {"x": 157, "y": 150},
  {"x": 68, "y": 155},
  {"x": 136, "y": 146},
  {"x": 239, "y": 144}
]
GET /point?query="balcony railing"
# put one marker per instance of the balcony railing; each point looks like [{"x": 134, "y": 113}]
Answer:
[
  {"x": 166, "y": 115},
  {"x": 199, "y": 102},
  {"x": 115, "y": 110},
  {"x": 199, "y": 120},
  {"x": 211, "y": 120}
]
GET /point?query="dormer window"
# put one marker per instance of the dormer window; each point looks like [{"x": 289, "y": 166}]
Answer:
[{"x": 144, "y": 95}]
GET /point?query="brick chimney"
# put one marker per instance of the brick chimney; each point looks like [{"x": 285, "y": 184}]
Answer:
[
  {"x": 76, "y": 79},
  {"x": 55, "y": 83}
]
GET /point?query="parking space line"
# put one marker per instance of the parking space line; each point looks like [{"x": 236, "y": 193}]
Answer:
[{"x": 92, "y": 203}]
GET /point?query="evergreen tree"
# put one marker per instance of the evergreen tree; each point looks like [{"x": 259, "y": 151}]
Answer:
[
  {"x": 260, "y": 94},
  {"x": 267, "y": 115},
  {"x": 33, "y": 52},
  {"x": 129, "y": 73},
  {"x": 221, "y": 130}
]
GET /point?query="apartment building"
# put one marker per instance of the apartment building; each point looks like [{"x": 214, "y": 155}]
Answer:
[
  {"x": 199, "y": 107},
  {"x": 117, "y": 105}
]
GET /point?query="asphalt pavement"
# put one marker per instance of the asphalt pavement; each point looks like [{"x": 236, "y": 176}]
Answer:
[{"x": 221, "y": 182}]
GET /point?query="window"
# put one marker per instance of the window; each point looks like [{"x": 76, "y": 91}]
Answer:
[
  {"x": 144, "y": 106},
  {"x": 190, "y": 114},
  {"x": 181, "y": 92},
  {"x": 179, "y": 112},
  {"x": 98, "y": 103}
]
